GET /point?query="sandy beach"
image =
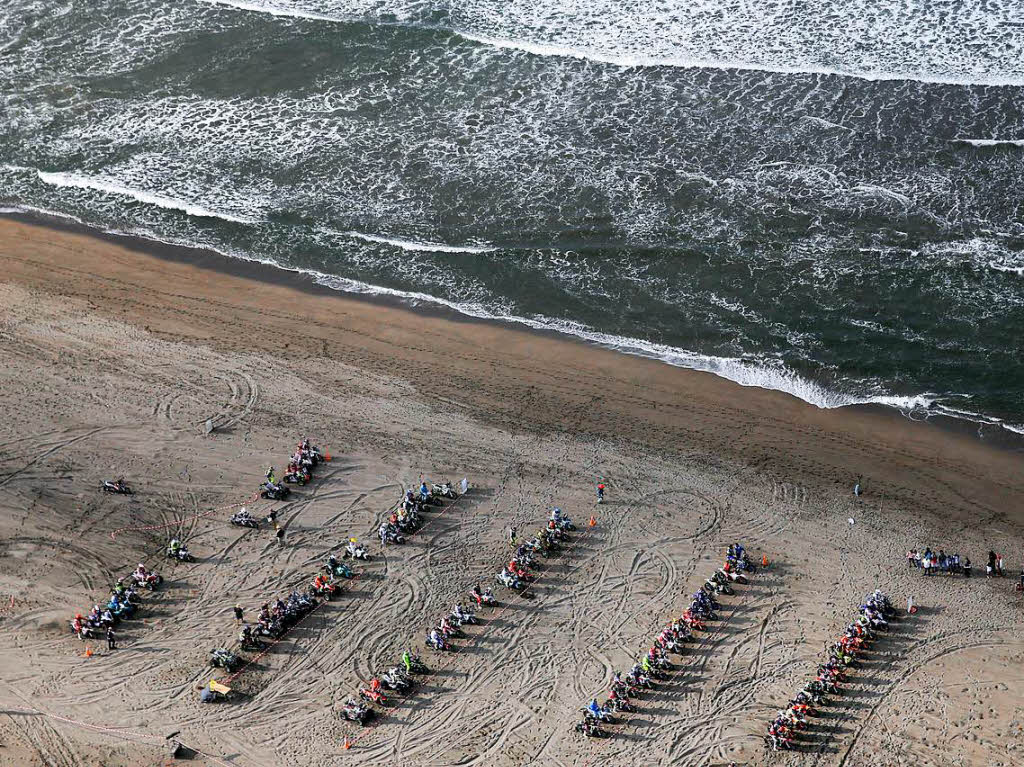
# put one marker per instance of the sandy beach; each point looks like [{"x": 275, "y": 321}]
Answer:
[{"x": 115, "y": 353}]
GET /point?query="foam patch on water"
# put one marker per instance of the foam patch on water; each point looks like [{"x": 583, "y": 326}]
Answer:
[{"x": 417, "y": 247}]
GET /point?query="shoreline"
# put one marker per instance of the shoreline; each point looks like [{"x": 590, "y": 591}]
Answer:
[
  {"x": 115, "y": 357},
  {"x": 991, "y": 434}
]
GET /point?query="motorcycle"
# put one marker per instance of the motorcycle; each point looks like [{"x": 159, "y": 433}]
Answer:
[
  {"x": 389, "y": 534},
  {"x": 325, "y": 590},
  {"x": 339, "y": 569},
  {"x": 225, "y": 659},
  {"x": 777, "y": 742},
  {"x": 355, "y": 712},
  {"x": 462, "y": 616},
  {"x": 417, "y": 666},
  {"x": 733, "y": 576},
  {"x": 484, "y": 598},
  {"x": 245, "y": 519},
  {"x": 356, "y": 551},
  {"x": 117, "y": 487},
  {"x": 274, "y": 492},
  {"x": 373, "y": 696},
  {"x": 591, "y": 729},
  {"x": 621, "y": 704},
  {"x": 602, "y": 715},
  {"x": 272, "y": 629},
  {"x": 394, "y": 679},
  {"x": 84, "y": 632},
  {"x": 444, "y": 490},
  {"x": 182, "y": 554},
  {"x": 715, "y": 587},
  {"x": 508, "y": 580},
  {"x": 151, "y": 581},
  {"x": 297, "y": 478},
  {"x": 440, "y": 645}
]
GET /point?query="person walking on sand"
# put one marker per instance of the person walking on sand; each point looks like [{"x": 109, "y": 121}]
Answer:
[
  {"x": 512, "y": 535},
  {"x": 279, "y": 534},
  {"x": 238, "y": 614},
  {"x": 856, "y": 486},
  {"x": 600, "y": 492},
  {"x": 111, "y": 645}
]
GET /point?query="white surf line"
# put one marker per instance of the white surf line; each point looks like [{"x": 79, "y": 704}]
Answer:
[
  {"x": 988, "y": 141},
  {"x": 161, "y": 201},
  {"x": 273, "y": 10},
  {"x": 636, "y": 61},
  {"x": 625, "y": 61}
]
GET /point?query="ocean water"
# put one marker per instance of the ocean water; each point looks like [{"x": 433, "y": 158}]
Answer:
[{"x": 822, "y": 198}]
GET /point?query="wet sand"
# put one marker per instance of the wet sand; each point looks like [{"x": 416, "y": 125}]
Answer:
[{"x": 114, "y": 353}]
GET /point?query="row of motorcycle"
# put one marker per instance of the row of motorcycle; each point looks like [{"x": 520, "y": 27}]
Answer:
[
  {"x": 873, "y": 616},
  {"x": 655, "y": 664},
  {"x": 122, "y": 604}
]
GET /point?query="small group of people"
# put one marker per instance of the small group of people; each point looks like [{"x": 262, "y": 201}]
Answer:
[
  {"x": 398, "y": 678},
  {"x": 300, "y": 471},
  {"x": 873, "y": 616},
  {"x": 303, "y": 461},
  {"x": 449, "y": 627},
  {"x": 932, "y": 562},
  {"x": 546, "y": 541},
  {"x": 407, "y": 518},
  {"x": 655, "y": 663},
  {"x": 123, "y": 602},
  {"x": 274, "y": 620}
]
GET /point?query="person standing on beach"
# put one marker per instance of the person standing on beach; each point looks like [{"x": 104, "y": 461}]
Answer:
[
  {"x": 600, "y": 492},
  {"x": 238, "y": 614},
  {"x": 512, "y": 535},
  {"x": 279, "y": 534},
  {"x": 856, "y": 486},
  {"x": 110, "y": 638}
]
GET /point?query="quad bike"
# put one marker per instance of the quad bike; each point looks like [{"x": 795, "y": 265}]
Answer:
[
  {"x": 245, "y": 519},
  {"x": 356, "y": 712},
  {"x": 444, "y": 490},
  {"x": 276, "y": 492},
  {"x": 225, "y": 659},
  {"x": 117, "y": 487},
  {"x": 182, "y": 554}
]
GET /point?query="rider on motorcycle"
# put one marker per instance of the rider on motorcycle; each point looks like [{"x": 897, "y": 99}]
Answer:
[
  {"x": 174, "y": 547},
  {"x": 271, "y": 479},
  {"x": 407, "y": 661},
  {"x": 594, "y": 709}
]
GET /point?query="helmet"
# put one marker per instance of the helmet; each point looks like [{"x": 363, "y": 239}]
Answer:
[{"x": 352, "y": 540}]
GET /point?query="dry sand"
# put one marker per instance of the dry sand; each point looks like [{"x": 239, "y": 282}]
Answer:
[{"x": 111, "y": 359}]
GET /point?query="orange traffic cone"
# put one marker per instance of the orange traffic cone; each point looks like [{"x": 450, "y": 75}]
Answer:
[
  {"x": 327, "y": 456},
  {"x": 764, "y": 560},
  {"x": 593, "y": 521},
  {"x": 88, "y": 652},
  {"x": 348, "y": 743}
]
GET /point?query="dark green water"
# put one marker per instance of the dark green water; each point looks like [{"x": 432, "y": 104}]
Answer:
[{"x": 806, "y": 199}]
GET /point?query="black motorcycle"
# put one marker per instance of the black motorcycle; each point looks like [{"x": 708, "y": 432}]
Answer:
[
  {"x": 225, "y": 659},
  {"x": 275, "y": 492},
  {"x": 117, "y": 488}
]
